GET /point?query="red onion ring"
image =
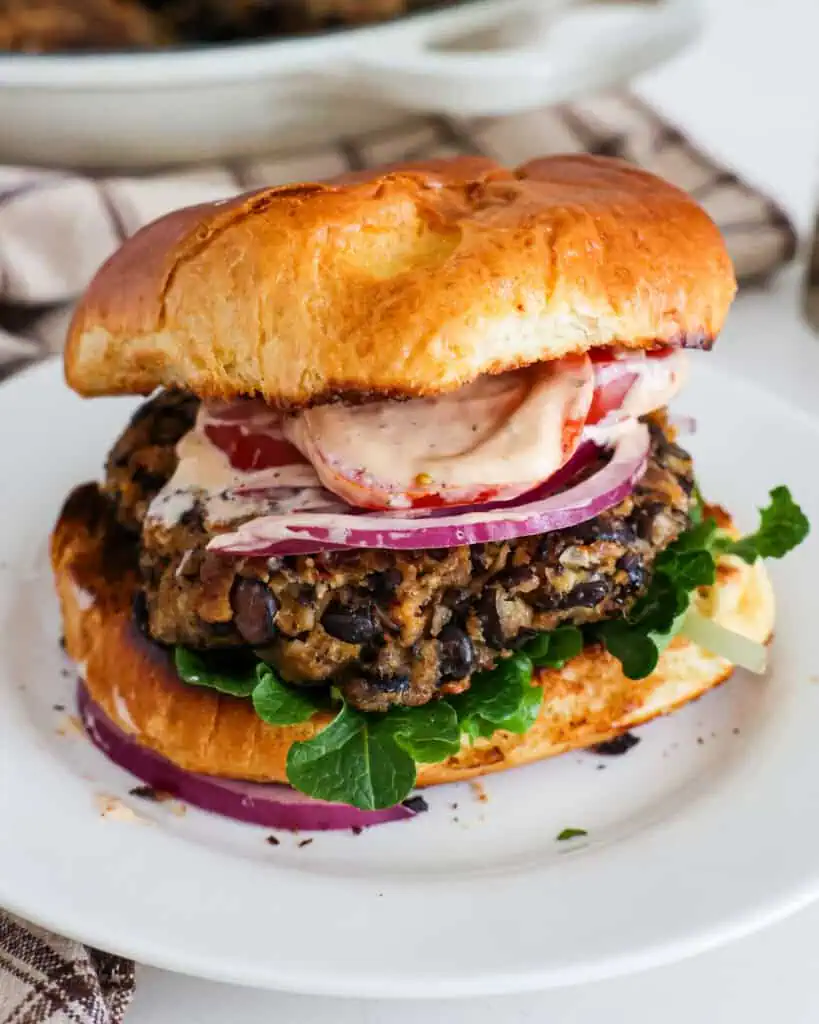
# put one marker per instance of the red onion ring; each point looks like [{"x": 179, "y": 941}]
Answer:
[
  {"x": 268, "y": 804},
  {"x": 530, "y": 514}
]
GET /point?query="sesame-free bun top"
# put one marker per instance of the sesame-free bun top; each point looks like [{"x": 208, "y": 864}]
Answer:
[{"x": 406, "y": 281}]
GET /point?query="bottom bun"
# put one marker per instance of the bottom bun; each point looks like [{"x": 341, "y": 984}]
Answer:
[{"x": 134, "y": 681}]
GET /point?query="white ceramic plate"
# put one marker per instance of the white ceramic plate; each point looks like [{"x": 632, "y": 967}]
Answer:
[{"x": 704, "y": 831}]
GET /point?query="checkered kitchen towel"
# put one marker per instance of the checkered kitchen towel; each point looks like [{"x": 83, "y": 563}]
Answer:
[
  {"x": 56, "y": 229},
  {"x": 47, "y": 979}
]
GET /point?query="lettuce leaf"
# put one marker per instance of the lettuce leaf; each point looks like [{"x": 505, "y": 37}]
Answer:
[{"x": 691, "y": 562}]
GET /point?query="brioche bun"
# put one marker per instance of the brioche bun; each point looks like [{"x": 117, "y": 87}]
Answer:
[
  {"x": 134, "y": 680},
  {"x": 402, "y": 282}
]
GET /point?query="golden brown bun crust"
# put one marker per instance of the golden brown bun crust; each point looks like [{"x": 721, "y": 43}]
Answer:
[
  {"x": 408, "y": 281},
  {"x": 587, "y": 702}
]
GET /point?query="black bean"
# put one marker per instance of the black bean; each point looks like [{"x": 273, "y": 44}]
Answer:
[
  {"x": 587, "y": 595},
  {"x": 456, "y": 653},
  {"x": 384, "y": 584},
  {"x": 368, "y": 655},
  {"x": 398, "y": 683},
  {"x": 254, "y": 610},
  {"x": 603, "y": 528},
  {"x": 642, "y": 520},
  {"x": 490, "y": 620},
  {"x": 353, "y": 625},
  {"x": 439, "y": 554},
  {"x": 545, "y": 600},
  {"x": 516, "y": 576}
]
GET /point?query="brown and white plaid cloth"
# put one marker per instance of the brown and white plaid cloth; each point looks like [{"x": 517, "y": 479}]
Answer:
[
  {"x": 44, "y": 978},
  {"x": 56, "y": 228}
]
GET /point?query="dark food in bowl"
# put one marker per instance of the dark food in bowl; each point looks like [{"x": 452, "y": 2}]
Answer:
[
  {"x": 50, "y": 26},
  {"x": 54, "y": 26}
]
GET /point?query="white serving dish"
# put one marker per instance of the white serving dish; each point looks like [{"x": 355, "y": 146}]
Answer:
[{"x": 479, "y": 57}]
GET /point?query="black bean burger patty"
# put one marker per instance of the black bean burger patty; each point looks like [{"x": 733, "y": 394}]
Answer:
[{"x": 389, "y": 627}]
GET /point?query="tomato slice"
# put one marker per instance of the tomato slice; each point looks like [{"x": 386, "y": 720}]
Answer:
[
  {"x": 631, "y": 384},
  {"x": 250, "y": 450}
]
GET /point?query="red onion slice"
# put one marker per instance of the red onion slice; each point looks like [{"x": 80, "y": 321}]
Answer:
[
  {"x": 526, "y": 516},
  {"x": 268, "y": 804}
]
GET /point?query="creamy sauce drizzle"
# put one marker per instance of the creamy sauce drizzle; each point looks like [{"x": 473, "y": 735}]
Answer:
[
  {"x": 502, "y": 430},
  {"x": 506, "y": 431},
  {"x": 204, "y": 474}
]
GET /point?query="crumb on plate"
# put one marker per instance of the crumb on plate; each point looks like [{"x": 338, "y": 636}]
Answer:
[
  {"x": 479, "y": 791},
  {"x": 115, "y": 809}
]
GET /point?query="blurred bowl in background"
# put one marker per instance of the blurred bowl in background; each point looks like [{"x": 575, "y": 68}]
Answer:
[{"x": 480, "y": 57}]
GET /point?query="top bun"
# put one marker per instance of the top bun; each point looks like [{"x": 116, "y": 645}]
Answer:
[{"x": 406, "y": 281}]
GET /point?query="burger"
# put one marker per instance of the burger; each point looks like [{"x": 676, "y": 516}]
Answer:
[{"x": 404, "y": 504}]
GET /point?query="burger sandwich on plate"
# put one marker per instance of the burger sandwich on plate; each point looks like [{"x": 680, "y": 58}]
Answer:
[{"x": 405, "y": 505}]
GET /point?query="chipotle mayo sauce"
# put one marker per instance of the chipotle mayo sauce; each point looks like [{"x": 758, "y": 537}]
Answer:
[
  {"x": 493, "y": 439},
  {"x": 506, "y": 433},
  {"x": 226, "y": 492}
]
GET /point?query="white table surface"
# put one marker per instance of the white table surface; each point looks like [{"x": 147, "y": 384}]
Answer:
[{"x": 748, "y": 91}]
